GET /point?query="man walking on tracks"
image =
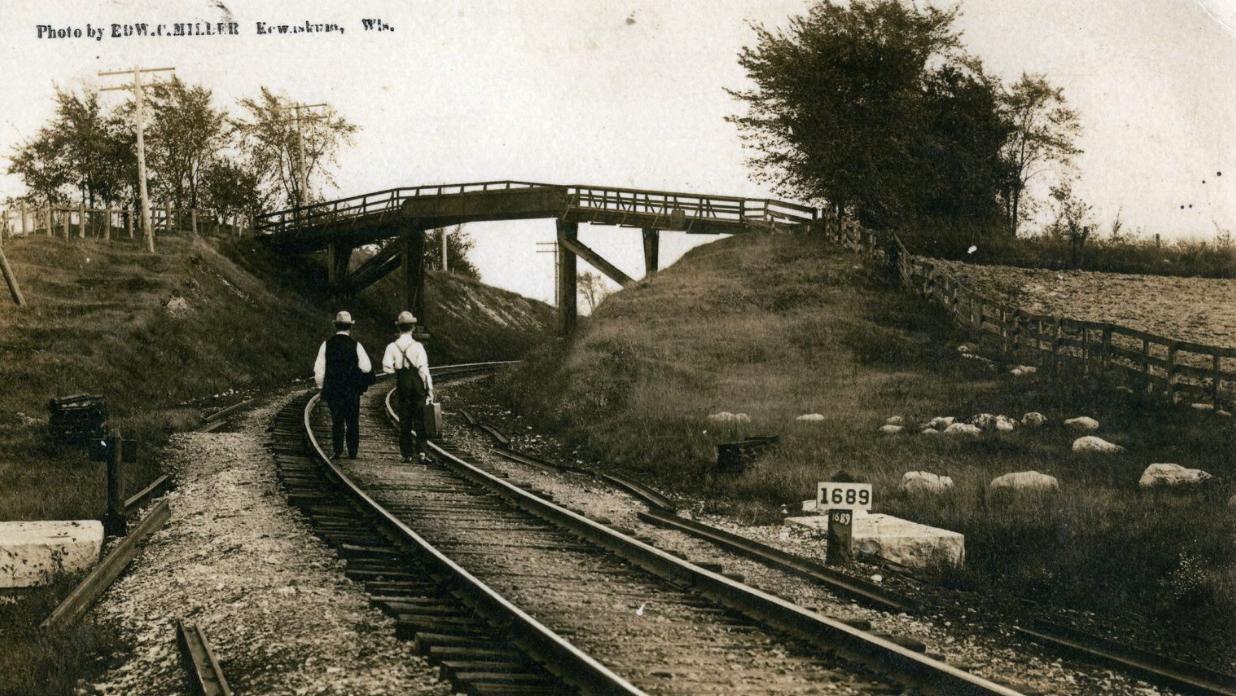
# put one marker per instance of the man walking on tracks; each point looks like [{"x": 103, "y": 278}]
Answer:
[
  {"x": 405, "y": 357},
  {"x": 343, "y": 372}
]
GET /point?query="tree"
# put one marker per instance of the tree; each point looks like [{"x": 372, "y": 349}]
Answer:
[
  {"x": 593, "y": 289},
  {"x": 268, "y": 139},
  {"x": 186, "y": 137},
  {"x": 458, "y": 246},
  {"x": 1043, "y": 130},
  {"x": 1073, "y": 222},
  {"x": 862, "y": 104}
]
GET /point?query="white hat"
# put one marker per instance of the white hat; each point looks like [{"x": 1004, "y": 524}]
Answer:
[
  {"x": 343, "y": 318},
  {"x": 405, "y": 318}
]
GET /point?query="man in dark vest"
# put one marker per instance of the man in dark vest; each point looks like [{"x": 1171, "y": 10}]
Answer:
[
  {"x": 405, "y": 358},
  {"x": 343, "y": 372}
]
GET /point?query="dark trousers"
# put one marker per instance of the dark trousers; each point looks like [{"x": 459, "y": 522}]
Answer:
[
  {"x": 410, "y": 407},
  {"x": 345, "y": 424}
]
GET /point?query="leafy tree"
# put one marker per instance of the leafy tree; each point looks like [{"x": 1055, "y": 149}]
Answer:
[
  {"x": 186, "y": 137},
  {"x": 458, "y": 247},
  {"x": 593, "y": 289},
  {"x": 1073, "y": 222},
  {"x": 268, "y": 139},
  {"x": 1043, "y": 135},
  {"x": 865, "y": 103},
  {"x": 230, "y": 189}
]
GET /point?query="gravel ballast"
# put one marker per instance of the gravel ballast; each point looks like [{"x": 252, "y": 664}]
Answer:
[{"x": 271, "y": 596}]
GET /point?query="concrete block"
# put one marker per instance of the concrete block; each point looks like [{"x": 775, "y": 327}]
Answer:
[
  {"x": 901, "y": 541},
  {"x": 32, "y": 552}
]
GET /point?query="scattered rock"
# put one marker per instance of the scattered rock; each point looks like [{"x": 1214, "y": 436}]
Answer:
[
  {"x": 1204, "y": 407},
  {"x": 727, "y": 417},
  {"x": 1020, "y": 370},
  {"x": 810, "y": 418},
  {"x": 967, "y": 348},
  {"x": 962, "y": 429},
  {"x": 1090, "y": 443},
  {"x": 891, "y": 429},
  {"x": 1005, "y": 424},
  {"x": 1172, "y": 476},
  {"x": 984, "y": 421},
  {"x": 176, "y": 305},
  {"x": 930, "y": 431},
  {"x": 941, "y": 422},
  {"x": 1033, "y": 419},
  {"x": 1124, "y": 389},
  {"x": 1225, "y": 414},
  {"x": 895, "y": 420},
  {"x": 925, "y": 482},
  {"x": 1024, "y": 481},
  {"x": 1083, "y": 423}
]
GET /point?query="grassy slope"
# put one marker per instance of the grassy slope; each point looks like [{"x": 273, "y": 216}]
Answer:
[
  {"x": 775, "y": 327},
  {"x": 96, "y": 322}
]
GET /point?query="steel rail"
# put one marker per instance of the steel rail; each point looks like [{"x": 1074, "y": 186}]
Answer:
[
  {"x": 882, "y": 657},
  {"x": 208, "y": 676},
  {"x": 553, "y": 652}
]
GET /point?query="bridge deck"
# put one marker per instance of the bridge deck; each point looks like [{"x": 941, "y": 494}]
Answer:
[{"x": 373, "y": 216}]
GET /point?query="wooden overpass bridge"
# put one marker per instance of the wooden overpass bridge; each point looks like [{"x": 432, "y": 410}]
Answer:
[{"x": 404, "y": 215}]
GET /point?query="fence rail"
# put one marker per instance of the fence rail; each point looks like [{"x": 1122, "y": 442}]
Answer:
[
  {"x": 80, "y": 221},
  {"x": 1145, "y": 361}
]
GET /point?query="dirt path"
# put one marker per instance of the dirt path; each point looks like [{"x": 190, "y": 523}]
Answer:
[
  {"x": 271, "y": 597},
  {"x": 1202, "y": 310}
]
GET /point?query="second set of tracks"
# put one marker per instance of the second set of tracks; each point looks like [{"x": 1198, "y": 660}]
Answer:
[{"x": 510, "y": 593}]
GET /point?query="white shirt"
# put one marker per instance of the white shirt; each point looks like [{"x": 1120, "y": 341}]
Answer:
[
  {"x": 319, "y": 365},
  {"x": 406, "y": 351}
]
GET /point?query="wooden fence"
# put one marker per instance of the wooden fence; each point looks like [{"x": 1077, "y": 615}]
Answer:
[
  {"x": 1144, "y": 361},
  {"x": 80, "y": 221}
]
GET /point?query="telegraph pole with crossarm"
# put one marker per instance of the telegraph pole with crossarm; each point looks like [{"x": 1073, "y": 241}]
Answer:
[{"x": 140, "y": 116}]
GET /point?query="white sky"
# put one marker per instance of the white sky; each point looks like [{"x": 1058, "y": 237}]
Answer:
[{"x": 631, "y": 94}]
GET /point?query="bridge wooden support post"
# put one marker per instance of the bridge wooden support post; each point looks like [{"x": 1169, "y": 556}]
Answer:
[
  {"x": 652, "y": 249},
  {"x": 338, "y": 256},
  {"x": 568, "y": 234},
  {"x": 412, "y": 253}
]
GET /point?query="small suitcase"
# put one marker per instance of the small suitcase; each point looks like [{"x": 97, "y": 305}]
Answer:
[{"x": 433, "y": 419}]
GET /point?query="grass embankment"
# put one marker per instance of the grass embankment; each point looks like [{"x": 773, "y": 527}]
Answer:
[
  {"x": 776, "y": 327},
  {"x": 99, "y": 321}
]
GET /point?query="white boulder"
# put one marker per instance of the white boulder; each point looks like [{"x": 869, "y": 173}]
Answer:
[
  {"x": 1020, "y": 370},
  {"x": 930, "y": 431},
  {"x": 895, "y": 420},
  {"x": 810, "y": 418},
  {"x": 1005, "y": 424},
  {"x": 31, "y": 553},
  {"x": 1033, "y": 419},
  {"x": 962, "y": 429},
  {"x": 984, "y": 421},
  {"x": 941, "y": 422},
  {"x": 1024, "y": 481},
  {"x": 1172, "y": 476},
  {"x": 900, "y": 541},
  {"x": 925, "y": 482},
  {"x": 1098, "y": 445},
  {"x": 891, "y": 429},
  {"x": 727, "y": 417},
  {"x": 1083, "y": 424}
]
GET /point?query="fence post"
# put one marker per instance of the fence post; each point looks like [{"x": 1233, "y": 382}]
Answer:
[
  {"x": 1171, "y": 368},
  {"x": 1214, "y": 380},
  {"x": 1146, "y": 387},
  {"x": 1055, "y": 345},
  {"x": 129, "y": 216},
  {"x": 51, "y": 229},
  {"x": 107, "y": 228},
  {"x": 193, "y": 220},
  {"x": 1107, "y": 347},
  {"x": 68, "y": 214},
  {"x": 23, "y": 218},
  {"x": 81, "y": 221},
  {"x": 167, "y": 219}
]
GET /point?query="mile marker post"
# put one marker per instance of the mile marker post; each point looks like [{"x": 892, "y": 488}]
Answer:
[
  {"x": 114, "y": 522},
  {"x": 841, "y": 497}
]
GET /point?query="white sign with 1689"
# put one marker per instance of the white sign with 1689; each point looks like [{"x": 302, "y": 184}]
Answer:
[{"x": 836, "y": 496}]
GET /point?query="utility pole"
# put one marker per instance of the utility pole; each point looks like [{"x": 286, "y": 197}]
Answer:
[
  {"x": 551, "y": 248},
  {"x": 445, "y": 267},
  {"x": 302, "y": 175},
  {"x": 140, "y": 116}
]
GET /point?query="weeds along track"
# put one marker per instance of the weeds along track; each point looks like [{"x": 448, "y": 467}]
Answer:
[{"x": 512, "y": 594}]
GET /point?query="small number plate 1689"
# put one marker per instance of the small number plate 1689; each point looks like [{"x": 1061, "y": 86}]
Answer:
[{"x": 851, "y": 496}]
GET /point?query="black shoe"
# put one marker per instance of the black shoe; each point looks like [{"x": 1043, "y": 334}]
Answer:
[
  {"x": 351, "y": 455},
  {"x": 337, "y": 455},
  {"x": 406, "y": 459}
]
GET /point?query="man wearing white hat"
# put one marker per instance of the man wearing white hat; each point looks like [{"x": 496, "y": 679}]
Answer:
[
  {"x": 406, "y": 358},
  {"x": 343, "y": 372}
]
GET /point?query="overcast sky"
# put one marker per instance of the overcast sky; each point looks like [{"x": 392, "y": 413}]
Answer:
[{"x": 631, "y": 94}]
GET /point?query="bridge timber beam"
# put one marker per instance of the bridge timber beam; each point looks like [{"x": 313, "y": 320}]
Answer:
[
  {"x": 375, "y": 269},
  {"x": 577, "y": 247},
  {"x": 652, "y": 249},
  {"x": 568, "y": 233},
  {"x": 412, "y": 258},
  {"x": 338, "y": 256}
]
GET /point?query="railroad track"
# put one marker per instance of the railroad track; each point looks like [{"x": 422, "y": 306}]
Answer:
[{"x": 451, "y": 549}]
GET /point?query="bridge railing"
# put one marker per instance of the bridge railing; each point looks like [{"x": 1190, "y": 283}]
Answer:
[
  {"x": 373, "y": 203},
  {"x": 676, "y": 208}
]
